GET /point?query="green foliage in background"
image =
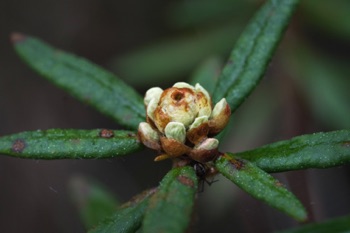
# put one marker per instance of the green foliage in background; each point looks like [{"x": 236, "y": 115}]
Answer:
[{"x": 169, "y": 207}]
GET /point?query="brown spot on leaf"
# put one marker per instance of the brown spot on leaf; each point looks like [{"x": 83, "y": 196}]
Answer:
[
  {"x": 75, "y": 141},
  {"x": 18, "y": 145},
  {"x": 185, "y": 181},
  {"x": 106, "y": 133},
  {"x": 279, "y": 184},
  {"x": 16, "y": 37},
  {"x": 139, "y": 197},
  {"x": 237, "y": 163},
  {"x": 346, "y": 144},
  {"x": 131, "y": 135}
]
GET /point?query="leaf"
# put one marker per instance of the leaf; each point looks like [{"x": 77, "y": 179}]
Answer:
[
  {"x": 336, "y": 225},
  {"x": 253, "y": 51},
  {"x": 260, "y": 185},
  {"x": 171, "y": 207},
  {"x": 128, "y": 218},
  {"x": 319, "y": 150},
  {"x": 84, "y": 80},
  {"x": 69, "y": 144},
  {"x": 94, "y": 202}
]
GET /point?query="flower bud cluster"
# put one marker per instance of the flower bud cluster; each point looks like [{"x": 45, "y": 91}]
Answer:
[{"x": 181, "y": 122}]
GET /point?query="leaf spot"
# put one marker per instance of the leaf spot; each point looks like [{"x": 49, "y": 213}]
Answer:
[
  {"x": 185, "y": 181},
  {"x": 131, "y": 135},
  {"x": 238, "y": 164},
  {"x": 106, "y": 133},
  {"x": 17, "y": 37},
  {"x": 279, "y": 184},
  {"x": 18, "y": 145},
  {"x": 346, "y": 144}
]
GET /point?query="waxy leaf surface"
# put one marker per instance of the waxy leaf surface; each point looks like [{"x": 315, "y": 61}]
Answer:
[
  {"x": 69, "y": 144},
  {"x": 128, "y": 218},
  {"x": 84, "y": 80},
  {"x": 260, "y": 185},
  {"x": 319, "y": 150},
  {"x": 170, "y": 208},
  {"x": 253, "y": 51}
]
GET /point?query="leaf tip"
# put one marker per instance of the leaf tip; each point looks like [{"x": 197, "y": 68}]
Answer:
[{"x": 17, "y": 37}]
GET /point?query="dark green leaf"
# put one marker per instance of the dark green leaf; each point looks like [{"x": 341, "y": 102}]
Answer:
[
  {"x": 260, "y": 185},
  {"x": 69, "y": 144},
  {"x": 128, "y": 218},
  {"x": 84, "y": 80},
  {"x": 319, "y": 150},
  {"x": 253, "y": 52},
  {"x": 337, "y": 225},
  {"x": 171, "y": 207},
  {"x": 93, "y": 201}
]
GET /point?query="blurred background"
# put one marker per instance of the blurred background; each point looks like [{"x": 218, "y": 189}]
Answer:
[{"x": 156, "y": 43}]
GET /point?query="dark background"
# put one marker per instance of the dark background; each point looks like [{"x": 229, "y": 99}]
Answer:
[{"x": 34, "y": 194}]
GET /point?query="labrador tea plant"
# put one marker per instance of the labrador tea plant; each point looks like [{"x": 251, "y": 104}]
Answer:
[{"x": 180, "y": 123}]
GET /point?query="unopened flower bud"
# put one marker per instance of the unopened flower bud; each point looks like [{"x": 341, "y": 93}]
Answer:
[
  {"x": 153, "y": 93},
  {"x": 180, "y": 119},
  {"x": 148, "y": 136},
  {"x": 183, "y": 85},
  {"x": 198, "y": 130},
  {"x": 176, "y": 130},
  {"x": 219, "y": 117},
  {"x": 208, "y": 144}
]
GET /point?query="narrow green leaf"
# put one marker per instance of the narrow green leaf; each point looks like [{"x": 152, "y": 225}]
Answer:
[
  {"x": 128, "y": 218},
  {"x": 94, "y": 202},
  {"x": 84, "y": 80},
  {"x": 319, "y": 150},
  {"x": 171, "y": 207},
  {"x": 260, "y": 185},
  {"x": 69, "y": 144},
  {"x": 253, "y": 51},
  {"x": 336, "y": 225}
]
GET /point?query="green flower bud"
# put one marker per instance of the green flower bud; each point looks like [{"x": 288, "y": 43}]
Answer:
[
  {"x": 198, "y": 122},
  {"x": 180, "y": 119},
  {"x": 153, "y": 93},
  {"x": 220, "y": 116},
  {"x": 176, "y": 130},
  {"x": 148, "y": 136}
]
